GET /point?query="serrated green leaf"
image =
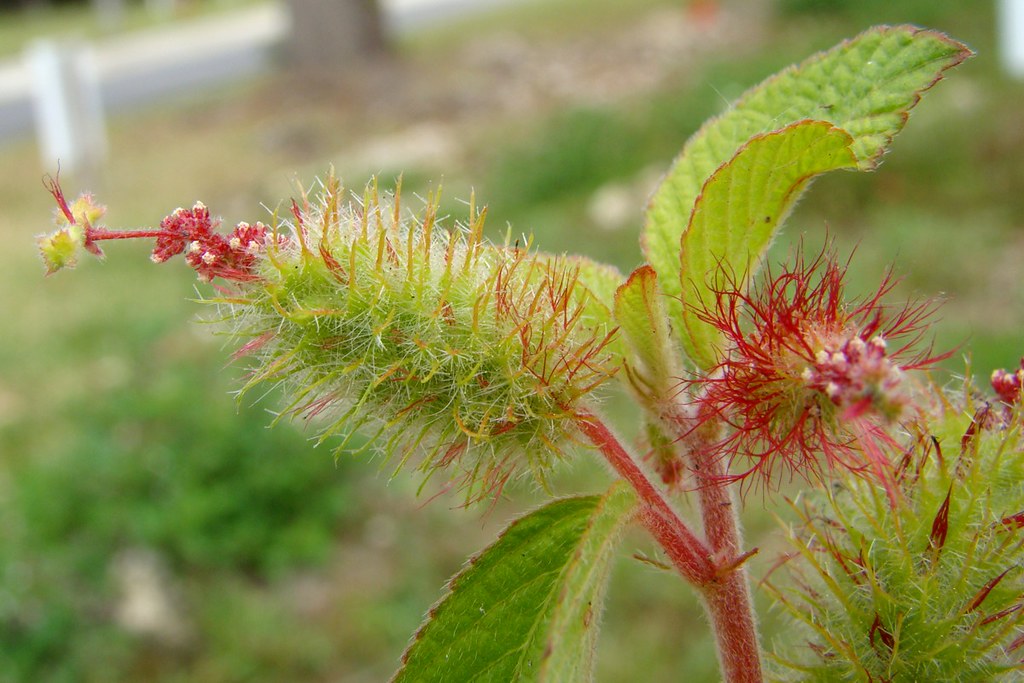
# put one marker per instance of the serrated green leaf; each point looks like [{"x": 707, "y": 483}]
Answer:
[
  {"x": 866, "y": 86},
  {"x": 643, "y": 326},
  {"x": 739, "y": 209},
  {"x": 528, "y": 607}
]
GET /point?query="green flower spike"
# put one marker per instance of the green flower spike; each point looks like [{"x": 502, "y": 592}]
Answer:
[
  {"x": 931, "y": 590},
  {"x": 432, "y": 340}
]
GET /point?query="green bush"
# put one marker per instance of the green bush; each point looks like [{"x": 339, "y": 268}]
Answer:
[{"x": 152, "y": 465}]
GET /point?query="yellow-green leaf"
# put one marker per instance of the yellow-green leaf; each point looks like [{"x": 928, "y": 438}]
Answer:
[
  {"x": 651, "y": 362},
  {"x": 740, "y": 208},
  {"x": 865, "y": 86}
]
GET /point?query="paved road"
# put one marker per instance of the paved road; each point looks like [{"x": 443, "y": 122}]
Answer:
[{"x": 141, "y": 68}]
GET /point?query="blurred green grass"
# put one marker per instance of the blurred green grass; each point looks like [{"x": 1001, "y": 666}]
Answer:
[{"x": 118, "y": 433}]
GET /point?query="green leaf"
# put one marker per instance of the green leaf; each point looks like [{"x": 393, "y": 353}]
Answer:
[
  {"x": 643, "y": 326},
  {"x": 528, "y": 607},
  {"x": 739, "y": 210},
  {"x": 866, "y": 86}
]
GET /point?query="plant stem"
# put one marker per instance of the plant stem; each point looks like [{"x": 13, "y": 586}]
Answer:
[
  {"x": 97, "y": 234},
  {"x": 713, "y": 567},
  {"x": 691, "y": 556},
  {"x": 727, "y": 599},
  {"x": 732, "y": 617}
]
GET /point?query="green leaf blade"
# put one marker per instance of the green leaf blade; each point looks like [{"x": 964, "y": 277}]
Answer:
[
  {"x": 525, "y": 608},
  {"x": 739, "y": 211},
  {"x": 865, "y": 86},
  {"x": 574, "y": 623},
  {"x": 651, "y": 355}
]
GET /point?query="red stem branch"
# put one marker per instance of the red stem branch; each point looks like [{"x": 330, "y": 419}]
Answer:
[
  {"x": 95, "y": 234},
  {"x": 714, "y": 568},
  {"x": 688, "y": 553},
  {"x": 728, "y": 600}
]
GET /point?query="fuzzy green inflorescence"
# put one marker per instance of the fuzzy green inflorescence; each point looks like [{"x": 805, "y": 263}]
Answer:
[
  {"x": 455, "y": 353},
  {"x": 930, "y": 590}
]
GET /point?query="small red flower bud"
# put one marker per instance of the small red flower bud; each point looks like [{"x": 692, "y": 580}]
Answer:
[{"x": 1007, "y": 385}]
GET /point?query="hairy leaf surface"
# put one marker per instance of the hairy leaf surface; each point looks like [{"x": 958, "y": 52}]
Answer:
[
  {"x": 740, "y": 208},
  {"x": 639, "y": 311},
  {"x": 528, "y": 607},
  {"x": 865, "y": 86}
]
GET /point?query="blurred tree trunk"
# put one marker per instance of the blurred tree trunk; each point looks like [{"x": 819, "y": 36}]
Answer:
[{"x": 329, "y": 36}]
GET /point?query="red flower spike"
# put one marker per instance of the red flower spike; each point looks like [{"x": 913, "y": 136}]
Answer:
[
  {"x": 211, "y": 254},
  {"x": 180, "y": 229},
  {"x": 807, "y": 376},
  {"x": 188, "y": 231}
]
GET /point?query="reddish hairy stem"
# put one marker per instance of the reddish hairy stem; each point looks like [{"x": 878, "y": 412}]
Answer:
[
  {"x": 727, "y": 599},
  {"x": 689, "y": 554},
  {"x": 104, "y": 234},
  {"x": 715, "y": 568},
  {"x": 729, "y": 605}
]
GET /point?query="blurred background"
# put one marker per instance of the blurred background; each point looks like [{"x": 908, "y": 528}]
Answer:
[{"x": 153, "y": 529}]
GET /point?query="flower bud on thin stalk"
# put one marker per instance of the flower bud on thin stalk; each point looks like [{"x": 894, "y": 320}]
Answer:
[
  {"x": 807, "y": 381},
  {"x": 469, "y": 357},
  {"x": 188, "y": 231}
]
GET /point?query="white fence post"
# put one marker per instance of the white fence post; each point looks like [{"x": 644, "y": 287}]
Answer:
[
  {"x": 1011, "y": 36},
  {"x": 68, "y": 107}
]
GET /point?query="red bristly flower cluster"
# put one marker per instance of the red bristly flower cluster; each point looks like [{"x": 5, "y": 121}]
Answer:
[
  {"x": 211, "y": 254},
  {"x": 808, "y": 380}
]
